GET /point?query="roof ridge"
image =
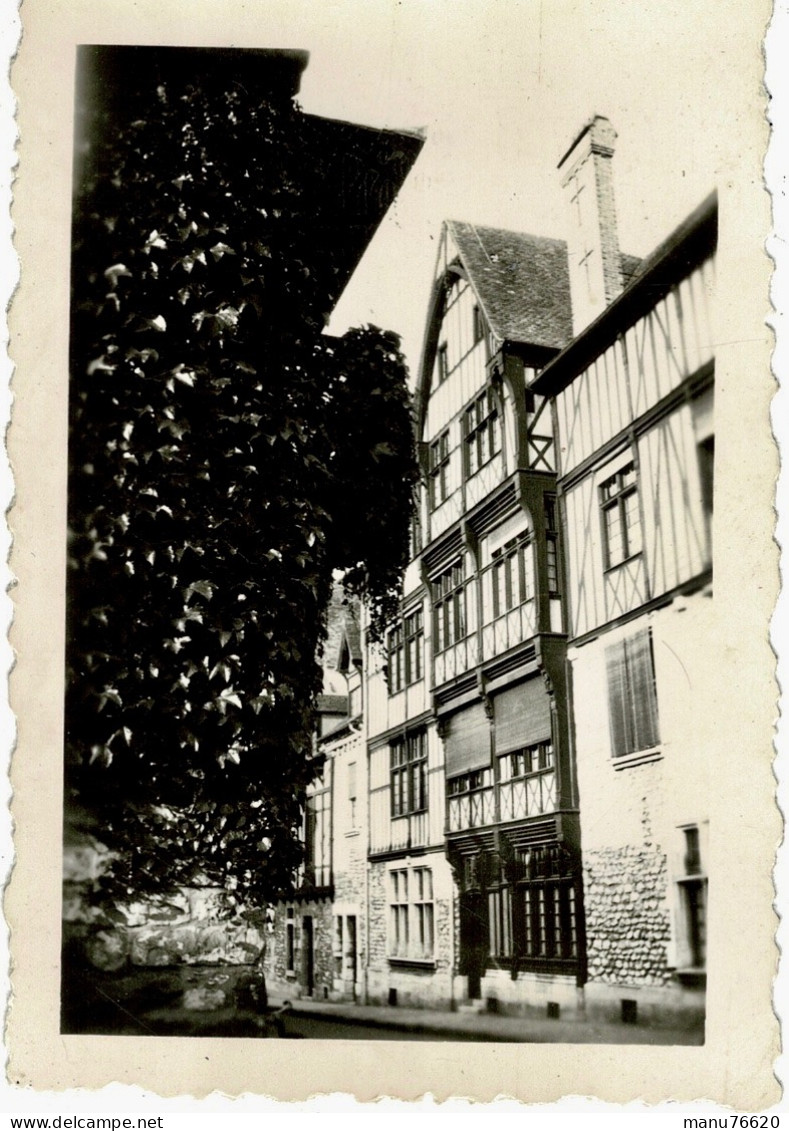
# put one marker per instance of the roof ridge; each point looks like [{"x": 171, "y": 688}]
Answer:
[
  {"x": 520, "y": 280},
  {"x": 507, "y": 232}
]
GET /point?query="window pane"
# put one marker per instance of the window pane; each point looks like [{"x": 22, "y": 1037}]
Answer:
[
  {"x": 473, "y": 461},
  {"x": 613, "y": 535},
  {"x": 553, "y": 576},
  {"x": 499, "y": 595},
  {"x": 633, "y": 523},
  {"x": 495, "y": 434}
]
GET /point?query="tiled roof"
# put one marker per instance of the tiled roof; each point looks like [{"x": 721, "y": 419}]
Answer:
[
  {"x": 521, "y": 281},
  {"x": 332, "y": 704}
]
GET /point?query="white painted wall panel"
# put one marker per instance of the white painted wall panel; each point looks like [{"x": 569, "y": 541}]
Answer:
[
  {"x": 585, "y": 562},
  {"x": 661, "y": 350},
  {"x": 674, "y": 531}
]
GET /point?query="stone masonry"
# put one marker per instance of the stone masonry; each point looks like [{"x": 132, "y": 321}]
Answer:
[{"x": 627, "y": 917}]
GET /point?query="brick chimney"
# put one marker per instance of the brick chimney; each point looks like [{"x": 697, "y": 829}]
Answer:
[{"x": 592, "y": 243}]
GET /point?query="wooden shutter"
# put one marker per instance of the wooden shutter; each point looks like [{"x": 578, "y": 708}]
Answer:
[
  {"x": 522, "y": 715},
  {"x": 642, "y": 688},
  {"x": 632, "y": 700},
  {"x": 467, "y": 741},
  {"x": 617, "y": 697}
]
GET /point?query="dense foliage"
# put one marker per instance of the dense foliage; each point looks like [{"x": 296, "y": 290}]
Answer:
[{"x": 225, "y": 457}]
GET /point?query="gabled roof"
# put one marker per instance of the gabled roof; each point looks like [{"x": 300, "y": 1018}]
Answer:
[
  {"x": 522, "y": 282},
  {"x": 350, "y": 651}
]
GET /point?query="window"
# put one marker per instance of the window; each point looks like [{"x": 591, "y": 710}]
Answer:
[
  {"x": 338, "y": 940},
  {"x": 632, "y": 697},
  {"x": 414, "y": 646},
  {"x": 442, "y": 363},
  {"x": 549, "y": 920},
  {"x": 398, "y": 913},
  {"x": 406, "y": 652},
  {"x": 469, "y": 783},
  {"x": 511, "y": 575},
  {"x": 692, "y": 935},
  {"x": 478, "y": 325},
  {"x": 702, "y": 408},
  {"x": 621, "y": 516},
  {"x": 522, "y": 763},
  {"x": 352, "y": 792},
  {"x": 396, "y": 650},
  {"x": 470, "y": 803},
  {"x": 550, "y": 546},
  {"x": 439, "y": 470},
  {"x": 415, "y": 532},
  {"x": 546, "y": 913},
  {"x": 317, "y": 855},
  {"x": 290, "y": 941},
  {"x": 706, "y": 450},
  {"x": 482, "y": 432},
  {"x": 527, "y": 781},
  {"x": 423, "y": 912},
  {"x": 408, "y": 769},
  {"x": 500, "y": 923},
  {"x": 411, "y": 919},
  {"x": 530, "y": 908},
  {"x": 449, "y": 607}
]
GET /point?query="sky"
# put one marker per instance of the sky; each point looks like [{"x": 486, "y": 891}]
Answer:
[{"x": 500, "y": 88}]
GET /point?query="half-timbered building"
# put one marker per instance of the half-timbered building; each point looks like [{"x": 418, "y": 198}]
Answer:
[
  {"x": 537, "y": 817},
  {"x": 517, "y": 820},
  {"x": 318, "y": 937},
  {"x": 474, "y": 813},
  {"x": 632, "y": 400}
]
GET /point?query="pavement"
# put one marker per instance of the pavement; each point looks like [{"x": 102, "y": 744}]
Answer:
[
  {"x": 490, "y": 1026},
  {"x": 151, "y": 1001}
]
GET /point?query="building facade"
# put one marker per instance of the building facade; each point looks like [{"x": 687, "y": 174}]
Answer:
[
  {"x": 537, "y": 765},
  {"x": 318, "y": 944},
  {"x": 633, "y": 410}
]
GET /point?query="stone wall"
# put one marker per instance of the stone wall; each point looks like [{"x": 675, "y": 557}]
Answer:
[
  {"x": 293, "y": 983},
  {"x": 376, "y": 927},
  {"x": 627, "y": 916},
  {"x": 194, "y": 927},
  {"x": 429, "y": 986}
]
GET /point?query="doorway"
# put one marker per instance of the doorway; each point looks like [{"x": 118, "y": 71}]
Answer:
[
  {"x": 308, "y": 956},
  {"x": 473, "y": 940}
]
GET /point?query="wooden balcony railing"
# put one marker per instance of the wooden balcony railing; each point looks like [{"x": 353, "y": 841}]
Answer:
[{"x": 523, "y": 797}]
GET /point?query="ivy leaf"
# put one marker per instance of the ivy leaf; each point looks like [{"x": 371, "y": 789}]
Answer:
[{"x": 225, "y": 457}]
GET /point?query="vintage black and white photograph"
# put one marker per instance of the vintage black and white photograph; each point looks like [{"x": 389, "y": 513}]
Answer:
[{"x": 392, "y": 656}]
